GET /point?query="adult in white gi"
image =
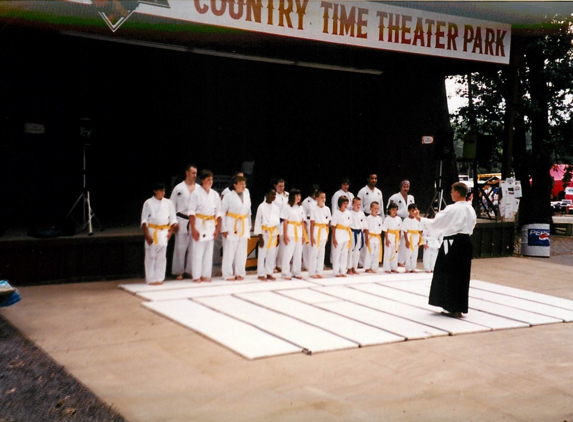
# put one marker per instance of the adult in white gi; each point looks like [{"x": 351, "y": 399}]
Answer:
[
  {"x": 158, "y": 221},
  {"x": 451, "y": 279},
  {"x": 236, "y": 230},
  {"x": 294, "y": 236},
  {"x": 182, "y": 255},
  {"x": 281, "y": 200},
  {"x": 204, "y": 220},
  {"x": 368, "y": 194},
  {"x": 320, "y": 218},
  {"x": 267, "y": 227},
  {"x": 402, "y": 199},
  {"x": 344, "y": 186}
]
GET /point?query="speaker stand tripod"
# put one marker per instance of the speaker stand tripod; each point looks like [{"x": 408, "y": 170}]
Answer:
[
  {"x": 87, "y": 212},
  {"x": 438, "y": 196}
]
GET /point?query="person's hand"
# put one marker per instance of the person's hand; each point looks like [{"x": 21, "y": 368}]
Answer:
[
  {"x": 175, "y": 228},
  {"x": 148, "y": 239},
  {"x": 195, "y": 234},
  {"x": 225, "y": 234},
  {"x": 286, "y": 239},
  {"x": 261, "y": 242}
]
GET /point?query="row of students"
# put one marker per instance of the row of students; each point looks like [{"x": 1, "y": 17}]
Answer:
[{"x": 199, "y": 215}]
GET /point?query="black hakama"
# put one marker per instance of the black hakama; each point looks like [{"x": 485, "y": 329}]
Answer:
[{"x": 451, "y": 280}]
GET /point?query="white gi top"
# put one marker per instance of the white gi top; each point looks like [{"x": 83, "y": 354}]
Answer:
[
  {"x": 180, "y": 198},
  {"x": 344, "y": 219},
  {"x": 337, "y": 195},
  {"x": 296, "y": 215},
  {"x": 392, "y": 223},
  {"x": 160, "y": 213},
  {"x": 373, "y": 224},
  {"x": 357, "y": 220},
  {"x": 457, "y": 218},
  {"x": 320, "y": 215},
  {"x": 206, "y": 204},
  {"x": 268, "y": 215},
  {"x": 368, "y": 196},
  {"x": 281, "y": 200},
  {"x": 398, "y": 199},
  {"x": 236, "y": 227},
  {"x": 410, "y": 224},
  {"x": 307, "y": 206},
  {"x": 431, "y": 236}
]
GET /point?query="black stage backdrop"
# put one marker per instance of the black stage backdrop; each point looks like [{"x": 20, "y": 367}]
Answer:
[{"x": 154, "y": 110}]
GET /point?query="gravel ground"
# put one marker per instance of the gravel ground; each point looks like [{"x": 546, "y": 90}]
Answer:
[{"x": 35, "y": 388}]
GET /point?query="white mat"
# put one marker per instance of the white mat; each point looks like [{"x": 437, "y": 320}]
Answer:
[
  {"x": 412, "y": 313},
  {"x": 421, "y": 300},
  {"x": 523, "y": 294},
  {"x": 408, "y": 329},
  {"x": 177, "y": 284},
  {"x": 308, "y": 296},
  {"x": 222, "y": 290},
  {"x": 309, "y": 337},
  {"x": 364, "y": 335},
  {"x": 498, "y": 298},
  {"x": 242, "y": 338}
]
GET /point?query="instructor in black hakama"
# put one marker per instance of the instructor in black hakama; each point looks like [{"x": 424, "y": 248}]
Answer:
[{"x": 451, "y": 280}]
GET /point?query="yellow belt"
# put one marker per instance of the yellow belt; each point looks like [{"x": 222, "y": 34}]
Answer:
[
  {"x": 297, "y": 224},
  {"x": 205, "y": 218},
  {"x": 379, "y": 238},
  {"x": 271, "y": 230},
  {"x": 341, "y": 227},
  {"x": 238, "y": 217},
  {"x": 396, "y": 234},
  {"x": 410, "y": 234},
  {"x": 320, "y": 228},
  {"x": 156, "y": 227}
]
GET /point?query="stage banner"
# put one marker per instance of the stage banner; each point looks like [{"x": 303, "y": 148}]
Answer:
[{"x": 355, "y": 23}]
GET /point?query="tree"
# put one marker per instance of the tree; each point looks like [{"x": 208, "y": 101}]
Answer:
[{"x": 530, "y": 99}]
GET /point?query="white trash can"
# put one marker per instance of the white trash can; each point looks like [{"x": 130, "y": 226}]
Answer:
[{"x": 535, "y": 240}]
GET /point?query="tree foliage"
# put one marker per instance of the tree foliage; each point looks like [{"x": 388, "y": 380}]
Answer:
[{"x": 542, "y": 66}]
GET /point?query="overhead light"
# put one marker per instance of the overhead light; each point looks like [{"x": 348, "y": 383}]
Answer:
[{"x": 214, "y": 53}]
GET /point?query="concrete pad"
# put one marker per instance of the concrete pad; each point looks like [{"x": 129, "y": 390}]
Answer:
[{"x": 151, "y": 369}]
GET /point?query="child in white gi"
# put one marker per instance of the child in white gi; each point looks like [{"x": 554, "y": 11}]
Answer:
[
  {"x": 267, "y": 227},
  {"x": 294, "y": 236},
  {"x": 281, "y": 200},
  {"x": 205, "y": 223},
  {"x": 432, "y": 242},
  {"x": 236, "y": 230},
  {"x": 357, "y": 240},
  {"x": 391, "y": 228},
  {"x": 412, "y": 238},
  {"x": 372, "y": 234},
  {"x": 182, "y": 255},
  {"x": 341, "y": 237},
  {"x": 320, "y": 218},
  {"x": 158, "y": 222},
  {"x": 307, "y": 205}
]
